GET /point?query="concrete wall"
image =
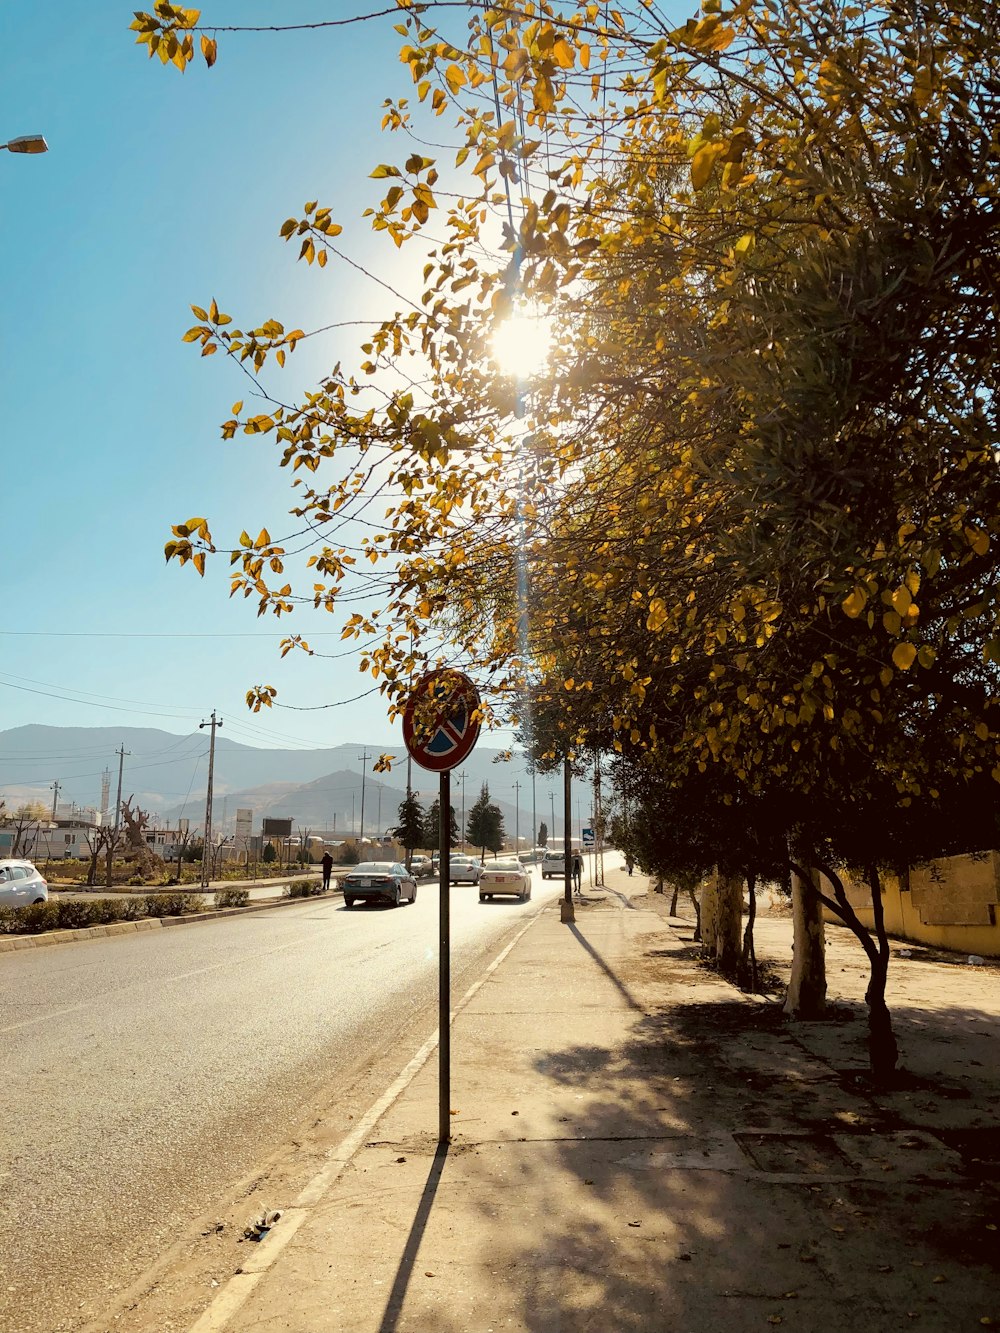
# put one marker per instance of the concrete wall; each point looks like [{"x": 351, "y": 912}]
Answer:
[{"x": 951, "y": 903}]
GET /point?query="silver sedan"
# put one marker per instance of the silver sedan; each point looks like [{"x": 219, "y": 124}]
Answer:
[{"x": 378, "y": 881}]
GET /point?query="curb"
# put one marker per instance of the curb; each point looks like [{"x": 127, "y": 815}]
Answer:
[{"x": 11, "y": 943}]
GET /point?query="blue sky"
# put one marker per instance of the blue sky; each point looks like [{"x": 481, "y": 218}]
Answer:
[{"x": 160, "y": 190}]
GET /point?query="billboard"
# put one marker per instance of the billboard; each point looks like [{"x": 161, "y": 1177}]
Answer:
[{"x": 277, "y": 828}]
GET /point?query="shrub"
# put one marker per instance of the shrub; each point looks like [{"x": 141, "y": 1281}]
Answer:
[
  {"x": 232, "y": 897},
  {"x": 29, "y": 920},
  {"x": 304, "y": 888},
  {"x": 173, "y": 904}
]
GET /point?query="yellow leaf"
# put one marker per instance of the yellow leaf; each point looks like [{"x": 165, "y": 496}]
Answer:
[
  {"x": 903, "y": 656},
  {"x": 657, "y": 616},
  {"x": 703, "y": 162},
  {"x": 901, "y": 600},
  {"x": 854, "y": 603}
]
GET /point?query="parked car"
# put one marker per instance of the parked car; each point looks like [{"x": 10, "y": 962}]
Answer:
[
  {"x": 464, "y": 870},
  {"x": 21, "y": 884},
  {"x": 378, "y": 881},
  {"x": 507, "y": 877},
  {"x": 421, "y": 866}
]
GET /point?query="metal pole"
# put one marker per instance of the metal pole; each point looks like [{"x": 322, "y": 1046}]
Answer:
[
  {"x": 55, "y": 797},
  {"x": 118, "y": 803},
  {"x": 444, "y": 962},
  {"x": 206, "y": 851},
  {"x": 517, "y": 816},
  {"x": 534, "y": 815},
  {"x": 361, "y": 834},
  {"x": 566, "y": 912}
]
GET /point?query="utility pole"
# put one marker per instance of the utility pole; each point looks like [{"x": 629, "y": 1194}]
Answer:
[
  {"x": 206, "y": 851},
  {"x": 552, "y": 811},
  {"x": 517, "y": 815},
  {"x": 55, "y": 797},
  {"x": 361, "y": 835},
  {"x": 462, "y": 779},
  {"x": 534, "y": 813},
  {"x": 122, "y": 752}
]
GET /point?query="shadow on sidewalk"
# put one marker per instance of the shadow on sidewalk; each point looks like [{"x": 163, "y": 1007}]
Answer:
[
  {"x": 611, "y": 975},
  {"x": 404, "y": 1273}
]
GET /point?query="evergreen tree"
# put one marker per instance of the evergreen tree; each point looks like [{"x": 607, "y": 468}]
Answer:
[
  {"x": 484, "y": 827},
  {"x": 410, "y": 832},
  {"x": 543, "y": 834},
  {"x": 432, "y": 826}
]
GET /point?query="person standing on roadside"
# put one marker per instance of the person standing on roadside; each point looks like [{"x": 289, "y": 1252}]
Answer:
[
  {"x": 327, "y": 864},
  {"x": 577, "y": 873}
]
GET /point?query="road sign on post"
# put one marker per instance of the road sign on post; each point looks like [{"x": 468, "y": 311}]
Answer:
[
  {"x": 440, "y": 728},
  {"x": 441, "y": 720}
]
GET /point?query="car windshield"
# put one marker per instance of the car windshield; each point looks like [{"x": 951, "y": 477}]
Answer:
[{"x": 373, "y": 868}]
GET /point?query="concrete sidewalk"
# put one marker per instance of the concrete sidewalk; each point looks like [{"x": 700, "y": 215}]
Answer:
[{"x": 637, "y": 1148}]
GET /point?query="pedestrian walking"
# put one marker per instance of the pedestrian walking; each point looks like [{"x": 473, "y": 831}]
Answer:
[
  {"x": 577, "y": 873},
  {"x": 628, "y": 866},
  {"x": 327, "y": 864}
]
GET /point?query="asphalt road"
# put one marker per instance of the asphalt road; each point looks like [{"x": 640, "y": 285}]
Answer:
[{"x": 146, "y": 1075}]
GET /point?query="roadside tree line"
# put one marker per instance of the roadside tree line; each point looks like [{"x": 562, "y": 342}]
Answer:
[{"x": 738, "y": 527}]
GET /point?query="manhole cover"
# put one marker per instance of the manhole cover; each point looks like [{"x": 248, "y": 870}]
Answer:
[{"x": 794, "y": 1154}]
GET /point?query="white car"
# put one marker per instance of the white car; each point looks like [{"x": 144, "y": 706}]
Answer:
[
  {"x": 554, "y": 863},
  {"x": 21, "y": 884},
  {"x": 464, "y": 870},
  {"x": 505, "y": 877}
]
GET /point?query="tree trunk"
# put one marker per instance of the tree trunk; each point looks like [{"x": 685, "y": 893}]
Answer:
[
  {"x": 709, "y": 915},
  {"x": 697, "y": 913},
  {"x": 806, "y": 995},
  {"x": 883, "y": 1053},
  {"x": 673, "y": 901},
  {"x": 728, "y": 919},
  {"x": 747, "y": 973}
]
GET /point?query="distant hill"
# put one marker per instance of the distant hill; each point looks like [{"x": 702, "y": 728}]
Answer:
[{"x": 167, "y": 775}]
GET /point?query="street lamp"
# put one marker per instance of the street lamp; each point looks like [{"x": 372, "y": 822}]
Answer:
[{"x": 26, "y": 143}]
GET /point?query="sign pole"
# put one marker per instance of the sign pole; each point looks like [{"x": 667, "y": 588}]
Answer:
[
  {"x": 444, "y": 962},
  {"x": 566, "y": 913},
  {"x": 440, "y": 728}
]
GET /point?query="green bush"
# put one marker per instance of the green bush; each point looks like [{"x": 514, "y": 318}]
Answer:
[
  {"x": 29, "y": 920},
  {"x": 232, "y": 897},
  {"x": 174, "y": 904},
  {"x": 304, "y": 888}
]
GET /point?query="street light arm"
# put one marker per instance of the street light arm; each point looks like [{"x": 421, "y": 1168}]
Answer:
[{"x": 26, "y": 143}]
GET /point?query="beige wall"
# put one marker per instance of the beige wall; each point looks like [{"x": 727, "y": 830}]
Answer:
[{"x": 951, "y": 903}]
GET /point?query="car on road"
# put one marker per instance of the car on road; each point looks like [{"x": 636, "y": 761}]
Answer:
[
  {"x": 553, "y": 863},
  {"x": 464, "y": 870},
  {"x": 421, "y": 866},
  {"x": 378, "y": 881},
  {"x": 505, "y": 877},
  {"x": 21, "y": 884}
]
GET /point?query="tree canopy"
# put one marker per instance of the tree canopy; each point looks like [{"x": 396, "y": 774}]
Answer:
[{"x": 745, "y": 511}]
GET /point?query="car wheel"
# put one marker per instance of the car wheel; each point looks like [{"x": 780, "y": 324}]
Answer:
[
  {"x": 39, "y": 900},
  {"x": 482, "y": 897},
  {"x": 397, "y": 897},
  {"x": 348, "y": 902},
  {"x": 413, "y": 895}
]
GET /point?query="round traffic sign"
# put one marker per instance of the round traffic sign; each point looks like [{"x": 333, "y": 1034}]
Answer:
[{"x": 441, "y": 720}]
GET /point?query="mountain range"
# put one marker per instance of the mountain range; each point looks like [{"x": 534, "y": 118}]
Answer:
[{"x": 319, "y": 789}]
